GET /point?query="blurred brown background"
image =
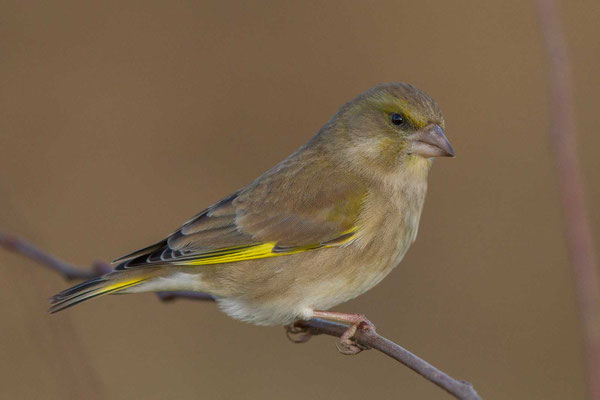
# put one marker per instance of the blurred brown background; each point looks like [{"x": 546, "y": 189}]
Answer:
[{"x": 119, "y": 121}]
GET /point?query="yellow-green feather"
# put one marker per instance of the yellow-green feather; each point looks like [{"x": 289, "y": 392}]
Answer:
[{"x": 259, "y": 250}]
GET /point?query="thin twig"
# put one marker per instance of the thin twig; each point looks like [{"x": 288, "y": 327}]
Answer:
[
  {"x": 371, "y": 339},
  {"x": 367, "y": 338},
  {"x": 68, "y": 271},
  {"x": 563, "y": 140},
  {"x": 174, "y": 295}
]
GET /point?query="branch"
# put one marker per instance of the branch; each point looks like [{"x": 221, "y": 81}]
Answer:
[
  {"x": 563, "y": 140},
  {"x": 174, "y": 295},
  {"x": 66, "y": 270},
  {"x": 371, "y": 339},
  {"x": 367, "y": 338}
]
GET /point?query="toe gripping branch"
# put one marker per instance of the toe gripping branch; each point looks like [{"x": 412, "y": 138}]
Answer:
[{"x": 302, "y": 331}]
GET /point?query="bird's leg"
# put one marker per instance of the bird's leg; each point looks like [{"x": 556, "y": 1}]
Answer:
[{"x": 347, "y": 344}]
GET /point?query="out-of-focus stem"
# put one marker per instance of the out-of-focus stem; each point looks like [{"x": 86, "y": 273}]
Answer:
[{"x": 563, "y": 140}]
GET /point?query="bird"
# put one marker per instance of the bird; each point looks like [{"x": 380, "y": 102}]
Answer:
[{"x": 323, "y": 226}]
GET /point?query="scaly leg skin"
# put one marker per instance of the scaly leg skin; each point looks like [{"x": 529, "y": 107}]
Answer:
[{"x": 347, "y": 344}]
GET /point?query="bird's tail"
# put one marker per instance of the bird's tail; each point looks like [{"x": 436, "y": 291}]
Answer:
[{"x": 107, "y": 284}]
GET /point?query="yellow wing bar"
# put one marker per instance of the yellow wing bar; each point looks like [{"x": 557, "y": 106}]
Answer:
[{"x": 260, "y": 250}]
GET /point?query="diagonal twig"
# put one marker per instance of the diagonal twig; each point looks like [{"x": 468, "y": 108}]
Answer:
[
  {"x": 371, "y": 339},
  {"x": 68, "y": 271},
  {"x": 367, "y": 338}
]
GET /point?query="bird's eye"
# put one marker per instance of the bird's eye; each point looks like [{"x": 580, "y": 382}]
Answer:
[{"x": 397, "y": 119}]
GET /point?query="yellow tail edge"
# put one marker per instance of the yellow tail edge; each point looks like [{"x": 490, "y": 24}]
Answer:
[{"x": 90, "y": 289}]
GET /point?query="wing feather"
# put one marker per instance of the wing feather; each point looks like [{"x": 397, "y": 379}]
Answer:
[{"x": 283, "y": 212}]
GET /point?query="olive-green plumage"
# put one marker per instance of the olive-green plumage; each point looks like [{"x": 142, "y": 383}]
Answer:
[{"x": 321, "y": 227}]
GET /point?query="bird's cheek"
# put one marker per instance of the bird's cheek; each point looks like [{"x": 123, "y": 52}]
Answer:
[{"x": 391, "y": 149}]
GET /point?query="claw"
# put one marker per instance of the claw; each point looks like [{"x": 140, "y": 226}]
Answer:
[
  {"x": 349, "y": 346},
  {"x": 297, "y": 334}
]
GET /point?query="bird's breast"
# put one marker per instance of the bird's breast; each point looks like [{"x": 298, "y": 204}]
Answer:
[{"x": 388, "y": 226}]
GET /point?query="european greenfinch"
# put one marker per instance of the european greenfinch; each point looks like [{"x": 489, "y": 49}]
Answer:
[{"x": 321, "y": 227}]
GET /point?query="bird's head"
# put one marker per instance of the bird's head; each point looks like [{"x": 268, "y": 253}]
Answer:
[{"x": 390, "y": 126}]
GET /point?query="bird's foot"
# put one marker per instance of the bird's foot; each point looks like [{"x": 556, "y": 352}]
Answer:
[
  {"x": 297, "y": 334},
  {"x": 348, "y": 345},
  {"x": 358, "y": 322}
]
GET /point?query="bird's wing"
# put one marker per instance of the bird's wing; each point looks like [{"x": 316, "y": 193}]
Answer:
[{"x": 253, "y": 223}]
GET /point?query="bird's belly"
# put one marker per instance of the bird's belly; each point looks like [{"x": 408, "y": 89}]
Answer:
[
  {"x": 326, "y": 294},
  {"x": 289, "y": 288},
  {"x": 362, "y": 273}
]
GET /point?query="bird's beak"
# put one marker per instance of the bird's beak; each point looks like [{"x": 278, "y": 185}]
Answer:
[{"x": 431, "y": 142}]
